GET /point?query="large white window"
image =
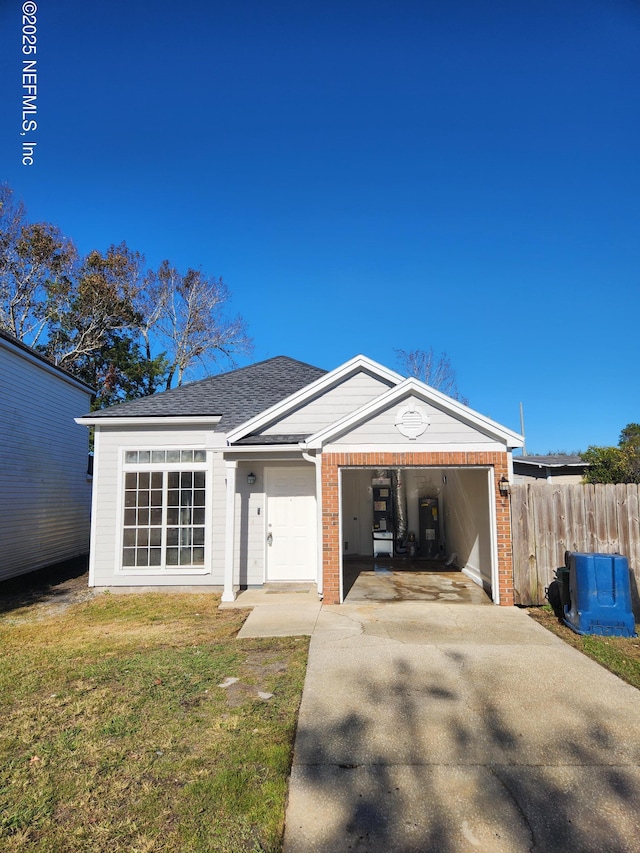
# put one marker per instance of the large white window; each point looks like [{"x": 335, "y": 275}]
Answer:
[{"x": 164, "y": 510}]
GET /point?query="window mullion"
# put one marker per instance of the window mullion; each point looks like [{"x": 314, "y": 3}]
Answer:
[{"x": 165, "y": 500}]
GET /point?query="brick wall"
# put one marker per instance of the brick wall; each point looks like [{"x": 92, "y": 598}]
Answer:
[{"x": 331, "y": 464}]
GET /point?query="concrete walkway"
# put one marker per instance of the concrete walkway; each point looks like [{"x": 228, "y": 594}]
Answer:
[{"x": 437, "y": 727}]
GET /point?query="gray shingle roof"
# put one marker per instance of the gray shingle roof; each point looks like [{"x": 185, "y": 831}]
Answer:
[
  {"x": 554, "y": 461},
  {"x": 293, "y": 438},
  {"x": 237, "y": 395}
]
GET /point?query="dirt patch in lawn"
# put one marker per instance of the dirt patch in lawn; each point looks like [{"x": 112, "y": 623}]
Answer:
[{"x": 48, "y": 591}]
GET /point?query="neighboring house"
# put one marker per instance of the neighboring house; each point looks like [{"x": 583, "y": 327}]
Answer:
[
  {"x": 45, "y": 495},
  {"x": 557, "y": 468},
  {"x": 267, "y": 473}
]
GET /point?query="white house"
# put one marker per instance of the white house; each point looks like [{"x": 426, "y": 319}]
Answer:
[
  {"x": 269, "y": 473},
  {"x": 45, "y": 493}
]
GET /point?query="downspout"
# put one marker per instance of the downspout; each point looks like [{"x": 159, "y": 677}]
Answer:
[
  {"x": 94, "y": 508},
  {"x": 316, "y": 460}
]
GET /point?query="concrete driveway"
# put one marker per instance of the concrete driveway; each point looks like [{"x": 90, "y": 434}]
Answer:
[{"x": 435, "y": 727}]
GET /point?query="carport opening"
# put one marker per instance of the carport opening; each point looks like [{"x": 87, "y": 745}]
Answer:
[{"x": 417, "y": 532}]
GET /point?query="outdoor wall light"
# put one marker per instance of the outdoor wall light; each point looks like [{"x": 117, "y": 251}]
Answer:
[
  {"x": 503, "y": 485},
  {"x": 251, "y": 478}
]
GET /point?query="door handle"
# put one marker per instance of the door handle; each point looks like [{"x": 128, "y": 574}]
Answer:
[{"x": 269, "y": 538}]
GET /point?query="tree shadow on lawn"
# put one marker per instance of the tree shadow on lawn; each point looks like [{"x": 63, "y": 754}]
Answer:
[
  {"x": 62, "y": 583},
  {"x": 472, "y": 780}
]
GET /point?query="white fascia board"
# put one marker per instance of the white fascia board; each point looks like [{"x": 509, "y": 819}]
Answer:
[
  {"x": 429, "y": 395},
  {"x": 47, "y": 366},
  {"x": 522, "y": 461},
  {"x": 196, "y": 420},
  {"x": 510, "y": 437},
  {"x": 298, "y": 398}
]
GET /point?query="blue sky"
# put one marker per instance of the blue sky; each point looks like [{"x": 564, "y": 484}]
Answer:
[{"x": 364, "y": 177}]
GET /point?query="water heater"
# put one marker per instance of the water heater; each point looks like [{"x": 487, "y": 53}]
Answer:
[{"x": 429, "y": 520}]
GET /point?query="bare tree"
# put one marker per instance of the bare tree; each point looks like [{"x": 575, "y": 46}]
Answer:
[
  {"x": 34, "y": 258},
  {"x": 104, "y": 316},
  {"x": 431, "y": 368},
  {"x": 190, "y": 321},
  {"x": 150, "y": 301}
]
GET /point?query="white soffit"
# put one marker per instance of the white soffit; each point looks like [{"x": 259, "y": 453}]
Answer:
[
  {"x": 314, "y": 389},
  {"x": 406, "y": 389}
]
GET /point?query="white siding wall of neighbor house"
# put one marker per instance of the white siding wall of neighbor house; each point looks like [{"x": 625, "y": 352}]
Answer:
[
  {"x": 334, "y": 404},
  {"x": 106, "y": 545},
  {"x": 538, "y": 476},
  {"x": 45, "y": 497},
  {"x": 443, "y": 433}
]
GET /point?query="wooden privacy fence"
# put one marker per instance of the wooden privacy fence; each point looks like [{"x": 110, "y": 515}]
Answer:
[{"x": 548, "y": 519}]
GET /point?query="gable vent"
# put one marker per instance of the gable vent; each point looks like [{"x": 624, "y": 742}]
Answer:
[{"x": 411, "y": 421}]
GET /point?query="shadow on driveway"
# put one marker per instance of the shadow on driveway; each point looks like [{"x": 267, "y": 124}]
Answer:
[{"x": 431, "y": 728}]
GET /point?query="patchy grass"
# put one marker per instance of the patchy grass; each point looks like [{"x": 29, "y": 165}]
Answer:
[
  {"x": 116, "y": 736},
  {"x": 620, "y": 655}
]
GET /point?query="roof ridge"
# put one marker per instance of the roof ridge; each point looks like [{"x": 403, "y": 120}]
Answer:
[
  {"x": 233, "y": 371},
  {"x": 235, "y": 395}
]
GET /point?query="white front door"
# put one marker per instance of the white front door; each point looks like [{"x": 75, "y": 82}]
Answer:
[{"x": 291, "y": 524}]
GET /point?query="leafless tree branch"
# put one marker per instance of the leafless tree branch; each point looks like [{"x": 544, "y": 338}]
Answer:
[{"x": 431, "y": 368}]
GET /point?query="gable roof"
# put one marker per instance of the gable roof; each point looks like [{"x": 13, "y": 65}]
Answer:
[
  {"x": 247, "y": 431},
  {"x": 414, "y": 387},
  {"x": 232, "y": 397}
]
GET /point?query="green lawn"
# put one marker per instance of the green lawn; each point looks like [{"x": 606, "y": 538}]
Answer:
[
  {"x": 621, "y": 655},
  {"x": 117, "y": 736}
]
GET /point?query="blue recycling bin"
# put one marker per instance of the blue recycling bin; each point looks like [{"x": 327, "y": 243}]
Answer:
[{"x": 600, "y": 595}]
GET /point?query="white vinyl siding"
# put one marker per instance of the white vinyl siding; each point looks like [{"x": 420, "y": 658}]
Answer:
[
  {"x": 250, "y": 525},
  {"x": 45, "y": 497},
  {"x": 443, "y": 431},
  {"x": 109, "y": 474},
  {"x": 331, "y": 406}
]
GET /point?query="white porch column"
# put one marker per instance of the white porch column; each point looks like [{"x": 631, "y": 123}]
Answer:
[{"x": 230, "y": 532}]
